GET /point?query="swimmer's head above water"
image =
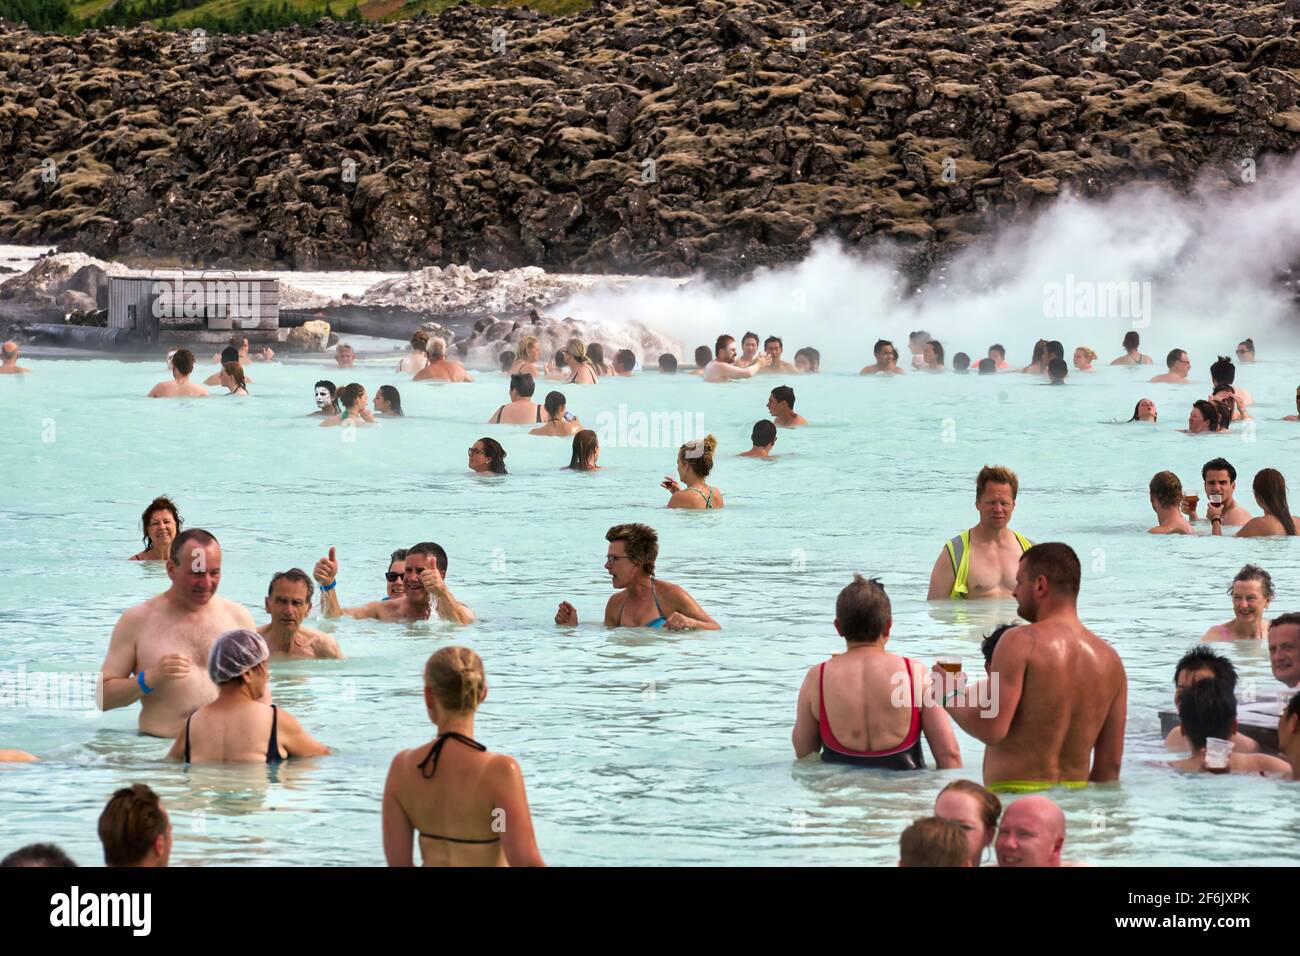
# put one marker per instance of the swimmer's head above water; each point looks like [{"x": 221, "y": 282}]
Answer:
[
  {"x": 1048, "y": 576},
  {"x": 633, "y": 550},
  {"x": 1031, "y": 833},
  {"x": 1284, "y": 648},
  {"x": 996, "y": 487},
  {"x": 1144, "y": 411},
  {"x": 161, "y": 522},
  {"x": 454, "y": 683},
  {"x": 326, "y": 396}
]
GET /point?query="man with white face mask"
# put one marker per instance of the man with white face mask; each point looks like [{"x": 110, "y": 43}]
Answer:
[{"x": 327, "y": 403}]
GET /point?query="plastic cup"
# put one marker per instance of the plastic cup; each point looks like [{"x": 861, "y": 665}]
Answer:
[
  {"x": 1217, "y": 752},
  {"x": 951, "y": 664}
]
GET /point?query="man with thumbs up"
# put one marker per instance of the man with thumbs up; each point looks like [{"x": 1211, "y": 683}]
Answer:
[{"x": 426, "y": 591}]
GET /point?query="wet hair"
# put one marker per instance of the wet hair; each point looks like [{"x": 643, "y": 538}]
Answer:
[
  {"x": 1131, "y": 340},
  {"x": 561, "y": 359},
  {"x": 455, "y": 675},
  {"x": 747, "y": 336},
  {"x": 763, "y": 433},
  {"x": 1270, "y": 488},
  {"x": 495, "y": 454},
  {"x": 434, "y": 550},
  {"x": 1203, "y": 657},
  {"x": 998, "y": 475},
  {"x": 1249, "y": 343},
  {"x": 436, "y": 348},
  {"x": 938, "y": 349},
  {"x": 722, "y": 342},
  {"x": 1207, "y": 709},
  {"x": 1223, "y": 372},
  {"x": 918, "y": 338},
  {"x": 1218, "y": 464},
  {"x": 773, "y": 338},
  {"x": 554, "y": 402},
  {"x": 183, "y": 361},
  {"x": 161, "y": 503},
  {"x": 1040, "y": 347},
  {"x": 398, "y": 555},
  {"x": 130, "y": 824},
  {"x": 812, "y": 355},
  {"x": 1173, "y": 357},
  {"x": 507, "y": 359},
  {"x": 990, "y": 805},
  {"x": 880, "y": 344},
  {"x": 1138, "y": 407},
  {"x": 1253, "y": 572},
  {"x": 987, "y": 366},
  {"x": 1209, "y": 412},
  {"x": 585, "y": 444},
  {"x": 625, "y": 359},
  {"x": 1166, "y": 488},
  {"x": 393, "y": 398},
  {"x": 236, "y": 372},
  {"x": 334, "y": 394},
  {"x": 1226, "y": 405},
  {"x": 990, "y": 642},
  {"x": 699, "y": 453},
  {"x": 38, "y": 854},
  {"x": 1058, "y": 563},
  {"x": 296, "y": 575},
  {"x": 1057, "y": 369},
  {"x": 1282, "y": 620},
  {"x": 229, "y": 354},
  {"x": 197, "y": 535},
  {"x": 596, "y": 352},
  {"x": 1056, "y": 348},
  {"x": 350, "y": 394},
  {"x": 668, "y": 363},
  {"x": 961, "y": 362},
  {"x": 1000, "y": 349},
  {"x": 932, "y": 841},
  {"x": 784, "y": 393},
  {"x": 863, "y": 609},
  {"x": 639, "y": 541},
  {"x": 420, "y": 340},
  {"x": 522, "y": 383},
  {"x": 702, "y": 356}
]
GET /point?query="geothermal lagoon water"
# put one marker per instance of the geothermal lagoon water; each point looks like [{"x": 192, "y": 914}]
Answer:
[{"x": 638, "y": 746}]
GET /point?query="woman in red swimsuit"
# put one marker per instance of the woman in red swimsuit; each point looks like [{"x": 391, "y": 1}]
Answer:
[{"x": 874, "y": 700}]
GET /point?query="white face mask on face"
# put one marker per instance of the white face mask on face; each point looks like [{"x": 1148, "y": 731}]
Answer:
[{"x": 322, "y": 397}]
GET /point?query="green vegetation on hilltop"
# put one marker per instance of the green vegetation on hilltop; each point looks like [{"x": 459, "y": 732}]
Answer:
[{"x": 235, "y": 16}]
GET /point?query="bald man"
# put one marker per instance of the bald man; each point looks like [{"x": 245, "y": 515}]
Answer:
[
  {"x": 9, "y": 360},
  {"x": 1031, "y": 833}
]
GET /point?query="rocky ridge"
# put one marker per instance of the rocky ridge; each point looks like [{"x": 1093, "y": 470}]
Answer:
[{"x": 642, "y": 137}]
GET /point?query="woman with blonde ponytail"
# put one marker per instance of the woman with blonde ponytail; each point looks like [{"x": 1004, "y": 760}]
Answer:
[
  {"x": 473, "y": 813},
  {"x": 694, "y": 462}
]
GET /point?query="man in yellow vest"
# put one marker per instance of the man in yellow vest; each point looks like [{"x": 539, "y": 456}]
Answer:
[{"x": 982, "y": 562}]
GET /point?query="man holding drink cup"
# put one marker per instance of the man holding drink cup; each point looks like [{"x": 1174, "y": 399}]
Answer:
[
  {"x": 1220, "y": 487},
  {"x": 1059, "y": 694}
]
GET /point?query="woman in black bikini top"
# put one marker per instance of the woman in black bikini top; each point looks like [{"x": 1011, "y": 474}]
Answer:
[{"x": 465, "y": 808}]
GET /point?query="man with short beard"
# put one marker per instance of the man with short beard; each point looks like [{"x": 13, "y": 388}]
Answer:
[
  {"x": 425, "y": 593},
  {"x": 288, "y": 601},
  {"x": 158, "y": 653},
  {"x": 1057, "y": 701}
]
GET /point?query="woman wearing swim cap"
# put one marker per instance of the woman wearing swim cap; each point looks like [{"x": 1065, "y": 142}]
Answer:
[{"x": 239, "y": 727}]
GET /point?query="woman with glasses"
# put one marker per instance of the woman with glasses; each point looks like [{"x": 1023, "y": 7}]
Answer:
[
  {"x": 1246, "y": 350},
  {"x": 487, "y": 457},
  {"x": 641, "y": 599}
]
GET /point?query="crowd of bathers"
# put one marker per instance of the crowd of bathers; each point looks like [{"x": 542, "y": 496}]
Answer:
[{"x": 1050, "y": 709}]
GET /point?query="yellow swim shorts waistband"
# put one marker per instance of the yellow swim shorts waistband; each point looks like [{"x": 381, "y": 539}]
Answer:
[{"x": 1034, "y": 786}]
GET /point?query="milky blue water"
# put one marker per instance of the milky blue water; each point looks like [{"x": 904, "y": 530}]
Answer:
[{"x": 638, "y": 747}]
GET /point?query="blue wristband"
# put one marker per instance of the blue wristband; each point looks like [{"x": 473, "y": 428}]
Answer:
[
  {"x": 139, "y": 679},
  {"x": 329, "y": 587}
]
